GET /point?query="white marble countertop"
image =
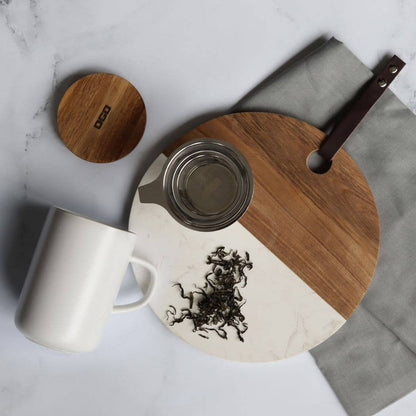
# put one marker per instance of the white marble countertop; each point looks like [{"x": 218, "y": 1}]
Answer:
[{"x": 187, "y": 58}]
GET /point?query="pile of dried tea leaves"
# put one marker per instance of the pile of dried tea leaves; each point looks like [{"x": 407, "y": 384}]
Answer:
[{"x": 217, "y": 305}]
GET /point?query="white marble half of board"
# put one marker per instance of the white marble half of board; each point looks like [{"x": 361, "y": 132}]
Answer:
[{"x": 284, "y": 315}]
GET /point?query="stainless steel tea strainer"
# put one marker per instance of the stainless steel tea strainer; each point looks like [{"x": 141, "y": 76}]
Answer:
[{"x": 205, "y": 184}]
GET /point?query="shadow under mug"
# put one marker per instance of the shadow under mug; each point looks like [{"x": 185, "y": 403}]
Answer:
[{"x": 73, "y": 281}]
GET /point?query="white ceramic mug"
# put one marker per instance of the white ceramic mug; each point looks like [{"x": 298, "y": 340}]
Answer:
[{"x": 73, "y": 281}]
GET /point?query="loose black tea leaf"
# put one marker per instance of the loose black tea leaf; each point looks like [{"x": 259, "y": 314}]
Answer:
[{"x": 216, "y": 305}]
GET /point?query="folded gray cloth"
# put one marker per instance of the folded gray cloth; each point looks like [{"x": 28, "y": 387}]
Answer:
[{"x": 371, "y": 361}]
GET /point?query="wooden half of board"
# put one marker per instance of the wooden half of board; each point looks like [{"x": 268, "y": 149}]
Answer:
[{"x": 324, "y": 227}]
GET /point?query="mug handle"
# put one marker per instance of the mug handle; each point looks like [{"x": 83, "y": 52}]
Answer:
[{"x": 150, "y": 290}]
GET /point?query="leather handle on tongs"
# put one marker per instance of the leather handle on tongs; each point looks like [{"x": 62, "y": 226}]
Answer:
[{"x": 336, "y": 139}]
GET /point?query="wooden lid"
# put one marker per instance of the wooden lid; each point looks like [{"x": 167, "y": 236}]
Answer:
[{"x": 101, "y": 118}]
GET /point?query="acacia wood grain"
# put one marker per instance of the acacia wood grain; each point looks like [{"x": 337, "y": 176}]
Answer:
[
  {"x": 101, "y": 117},
  {"x": 324, "y": 227}
]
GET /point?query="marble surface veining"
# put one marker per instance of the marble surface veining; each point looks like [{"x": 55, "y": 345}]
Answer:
[{"x": 187, "y": 58}]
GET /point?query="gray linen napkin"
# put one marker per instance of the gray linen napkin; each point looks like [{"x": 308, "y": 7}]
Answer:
[{"x": 371, "y": 361}]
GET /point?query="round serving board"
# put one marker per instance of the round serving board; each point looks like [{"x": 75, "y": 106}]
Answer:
[
  {"x": 313, "y": 240},
  {"x": 101, "y": 117}
]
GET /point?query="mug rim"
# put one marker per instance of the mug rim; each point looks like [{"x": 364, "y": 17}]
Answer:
[{"x": 56, "y": 208}]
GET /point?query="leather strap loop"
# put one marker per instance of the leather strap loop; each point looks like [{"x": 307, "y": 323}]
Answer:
[{"x": 360, "y": 108}]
